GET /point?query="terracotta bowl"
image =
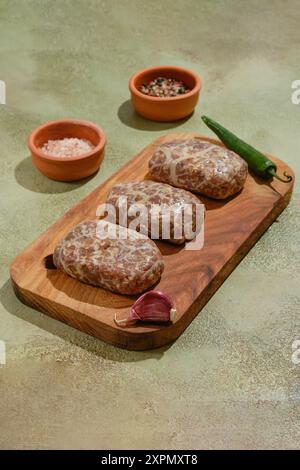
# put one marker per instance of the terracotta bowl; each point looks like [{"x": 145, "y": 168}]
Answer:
[
  {"x": 67, "y": 168},
  {"x": 165, "y": 109}
]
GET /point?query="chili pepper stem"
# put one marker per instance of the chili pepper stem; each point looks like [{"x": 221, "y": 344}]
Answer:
[{"x": 273, "y": 173}]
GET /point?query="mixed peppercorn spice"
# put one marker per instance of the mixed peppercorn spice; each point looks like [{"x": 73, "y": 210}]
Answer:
[{"x": 163, "y": 87}]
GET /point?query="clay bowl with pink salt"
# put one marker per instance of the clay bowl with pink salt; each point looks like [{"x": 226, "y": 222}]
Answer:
[{"x": 67, "y": 150}]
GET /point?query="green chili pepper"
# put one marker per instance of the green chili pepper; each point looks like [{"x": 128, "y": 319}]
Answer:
[{"x": 256, "y": 160}]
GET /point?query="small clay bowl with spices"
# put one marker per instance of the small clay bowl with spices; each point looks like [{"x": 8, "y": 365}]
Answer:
[
  {"x": 165, "y": 108},
  {"x": 87, "y": 139}
]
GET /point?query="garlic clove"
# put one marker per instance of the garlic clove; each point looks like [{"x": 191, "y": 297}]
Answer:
[{"x": 153, "y": 306}]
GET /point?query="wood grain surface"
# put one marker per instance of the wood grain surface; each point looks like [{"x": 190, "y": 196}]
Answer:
[{"x": 232, "y": 227}]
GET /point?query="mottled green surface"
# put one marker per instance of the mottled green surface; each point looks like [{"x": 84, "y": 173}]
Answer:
[{"x": 229, "y": 380}]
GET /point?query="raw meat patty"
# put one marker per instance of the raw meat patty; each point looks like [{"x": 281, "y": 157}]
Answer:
[
  {"x": 129, "y": 264},
  {"x": 171, "y": 200},
  {"x": 199, "y": 166}
]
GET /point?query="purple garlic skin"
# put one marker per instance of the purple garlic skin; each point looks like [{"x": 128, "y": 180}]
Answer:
[{"x": 152, "y": 307}]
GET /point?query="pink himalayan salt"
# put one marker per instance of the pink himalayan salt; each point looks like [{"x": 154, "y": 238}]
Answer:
[{"x": 68, "y": 147}]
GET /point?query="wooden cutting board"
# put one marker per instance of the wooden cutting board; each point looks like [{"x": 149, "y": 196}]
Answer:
[{"x": 190, "y": 277}]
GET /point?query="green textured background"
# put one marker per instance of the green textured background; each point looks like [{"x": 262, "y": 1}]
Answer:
[{"x": 229, "y": 380}]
